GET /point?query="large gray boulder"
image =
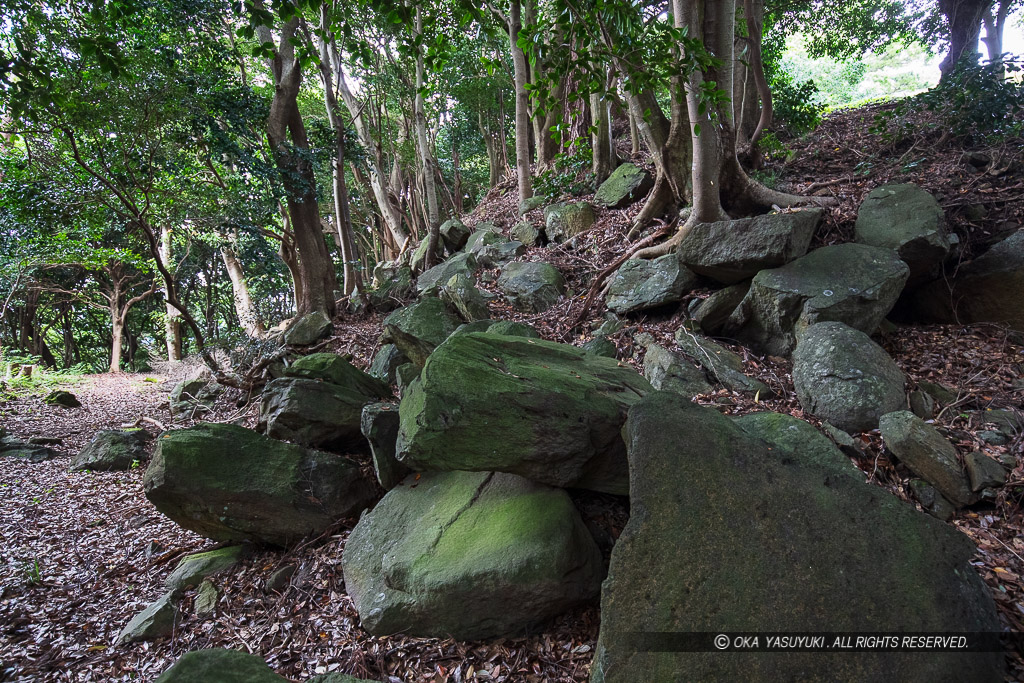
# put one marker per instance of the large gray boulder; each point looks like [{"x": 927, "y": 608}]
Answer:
[
  {"x": 311, "y": 412},
  {"x": 988, "y": 289},
  {"x": 461, "y": 264},
  {"x": 928, "y": 454},
  {"x": 113, "y": 449},
  {"x": 415, "y": 330},
  {"x": 727, "y": 536},
  {"x": 335, "y": 369},
  {"x": 308, "y": 329},
  {"x": 626, "y": 185},
  {"x": 469, "y": 555},
  {"x": 564, "y": 220},
  {"x": 641, "y": 284},
  {"x": 549, "y": 412},
  {"x": 491, "y": 253},
  {"x": 735, "y": 250},
  {"x": 530, "y": 286},
  {"x": 849, "y": 283},
  {"x": 11, "y": 447},
  {"x": 908, "y": 220},
  {"x": 218, "y": 665},
  {"x": 228, "y": 483},
  {"x": 454, "y": 235},
  {"x": 842, "y": 376}
]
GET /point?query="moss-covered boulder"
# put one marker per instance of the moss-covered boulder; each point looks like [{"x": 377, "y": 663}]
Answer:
[
  {"x": 229, "y": 483},
  {"x": 308, "y": 329},
  {"x": 11, "y": 447},
  {"x": 642, "y": 284},
  {"x": 430, "y": 281},
  {"x": 113, "y": 449},
  {"x": 549, "y": 412},
  {"x": 726, "y": 536},
  {"x": 527, "y": 233},
  {"x": 195, "y": 567},
  {"x": 787, "y": 436},
  {"x": 849, "y": 283},
  {"x": 712, "y": 314},
  {"x": 380, "y": 427},
  {"x": 454, "y": 235},
  {"x": 669, "y": 371},
  {"x": 419, "y": 256},
  {"x": 928, "y": 454},
  {"x": 460, "y": 293},
  {"x": 469, "y": 555},
  {"x": 156, "y": 621},
  {"x": 335, "y": 369},
  {"x": 842, "y": 376},
  {"x": 565, "y": 220},
  {"x": 531, "y": 203},
  {"x": 908, "y": 220},
  {"x": 219, "y": 665},
  {"x": 62, "y": 398},
  {"x": 427, "y": 320},
  {"x": 533, "y": 287},
  {"x": 735, "y": 250},
  {"x": 510, "y": 328},
  {"x": 721, "y": 365},
  {"x": 985, "y": 290},
  {"x": 386, "y": 362},
  {"x": 484, "y": 234},
  {"x": 626, "y": 185},
  {"x": 312, "y": 413},
  {"x": 392, "y": 285}
]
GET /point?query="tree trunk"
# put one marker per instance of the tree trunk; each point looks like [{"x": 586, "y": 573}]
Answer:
[
  {"x": 427, "y": 163},
  {"x": 285, "y": 131},
  {"x": 994, "y": 27},
  {"x": 603, "y": 150},
  {"x": 172, "y": 318},
  {"x": 964, "y": 19},
  {"x": 522, "y": 103},
  {"x": 244, "y": 308},
  {"x": 117, "y": 335}
]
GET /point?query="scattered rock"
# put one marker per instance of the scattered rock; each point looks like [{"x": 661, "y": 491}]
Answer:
[
  {"x": 486, "y": 234},
  {"x": 194, "y": 568},
  {"x": 427, "y": 320},
  {"x": 220, "y": 665},
  {"x": 533, "y": 287},
  {"x": 15, "y": 448},
  {"x": 206, "y": 599},
  {"x": 985, "y": 290},
  {"x": 308, "y": 329},
  {"x": 983, "y": 472},
  {"x": 229, "y": 483},
  {"x": 908, "y": 220},
  {"x": 380, "y": 427},
  {"x": 842, "y": 376},
  {"x": 454, "y": 235},
  {"x": 922, "y": 404},
  {"x": 419, "y": 257},
  {"x": 564, "y": 220},
  {"x": 993, "y": 438},
  {"x": 721, "y": 365},
  {"x": 527, "y": 233},
  {"x": 931, "y": 500},
  {"x": 723, "y": 536},
  {"x": 667, "y": 371},
  {"x": 641, "y": 284},
  {"x": 430, "y": 281},
  {"x": 406, "y": 375},
  {"x": 849, "y": 283},
  {"x": 600, "y": 346},
  {"x": 927, "y": 453},
  {"x": 193, "y": 396},
  {"x": 735, "y": 250},
  {"x": 64, "y": 399},
  {"x": 312, "y": 413},
  {"x": 385, "y": 362},
  {"x": 530, "y": 203},
  {"x": 392, "y": 286},
  {"x": 626, "y": 185},
  {"x": 469, "y": 555},
  {"x": 280, "y": 579},
  {"x": 493, "y": 254},
  {"x": 335, "y": 369},
  {"x": 509, "y": 328},
  {"x": 461, "y": 294},
  {"x": 941, "y": 394},
  {"x": 558, "y": 411},
  {"x": 712, "y": 313},
  {"x": 156, "y": 621}
]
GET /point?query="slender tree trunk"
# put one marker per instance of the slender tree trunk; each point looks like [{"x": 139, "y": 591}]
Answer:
[
  {"x": 172, "y": 318},
  {"x": 427, "y": 163},
  {"x": 244, "y": 308},
  {"x": 964, "y": 19},
  {"x": 117, "y": 334},
  {"x": 522, "y": 103},
  {"x": 286, "y": 132},
  {"x": 994, "y": 27}
]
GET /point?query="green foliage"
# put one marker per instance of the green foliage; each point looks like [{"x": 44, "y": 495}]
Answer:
[
  {"x": 976, "y": 103},
  {"x": 571, "y": 174},
  {"x": 796, "y": 105}
]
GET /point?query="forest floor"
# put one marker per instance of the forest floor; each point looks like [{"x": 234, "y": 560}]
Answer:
[{"x": 82, "y": 553}]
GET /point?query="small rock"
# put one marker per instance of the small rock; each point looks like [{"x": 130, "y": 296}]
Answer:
[
  {"x": 922, "y": 404},
  {"x": 941, "y": 394},
  {"x": 641, "y": 284},
  {"x": 670, "y": 372},
  {"x": 600, "y": 346},
  {"x": 563, "y": 220},
  {"x": 530, "y": 203},
  {"x": 155, "y": 621},
  {"x": 308, "y": 329},
  {"x": 927, "y": 453},
  {"x": 206, "y": 599},
  {"x": 280, "y": 579},
  {"x": 712, "y": 313},
  {"x": 465, "y": 298},
  {"x": 931, "y": 500},
  {"x": 720, "y": 364},
  {"x": 113, "y": 449},
  {"x": 62, "y": 398},
  {"x": 219, "y": 665},
  {"x": 993, "y": 438},
  {"x": 983, "y": 472},
  {"x": 626, "y": 185},
  {"x": 454, "y": 235},
  {"x": 337, "y": 370},
  {"x": 194, "y": 568},
  {"x": 527, "y": 233},
  {"x": 533, "y": 287},
  {"x": 431, "y": 280},
  {"x": 380, "y": 427},
  {"x": 509, "y": 328}
]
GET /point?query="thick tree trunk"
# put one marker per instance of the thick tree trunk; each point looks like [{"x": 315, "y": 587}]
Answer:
[
  {"x": 117, "y": 338},
  {"x": 522, "y": 103},
  {"x": 427, "y": 164},
  {"x": 244, "y": 308},
  {"x": 286, "y": 132},
  {"x": 172, "y": 318},
  {"x": 964, "y": 19}
]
